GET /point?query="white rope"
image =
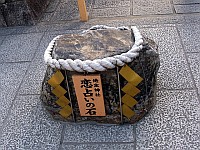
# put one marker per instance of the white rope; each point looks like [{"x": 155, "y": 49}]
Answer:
[{"x": 97, "y": 64}]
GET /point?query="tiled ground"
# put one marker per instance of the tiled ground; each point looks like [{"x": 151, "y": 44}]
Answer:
[{"x": 173, "y": 124}]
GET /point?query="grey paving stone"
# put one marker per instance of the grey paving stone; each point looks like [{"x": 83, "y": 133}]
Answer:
[
  {"x": 82, "y": 133},
  {"x": 46, "y": 17},
  {"x": 17, "y": 48},
  {"x": 174, "y": 72},
  {"x": 63, "y": 31},
  {"x": 144, "y": 7},
  {"x": 111, "y": 3},
  {"x": 70, "y": 13},
  {"x": 1, "y": 39},
  {"x": 141, "y": 21},
  {"x": 93, "y": 146},
  {"x": 77, "y": 25},
  {"x": 194, "y": 61},
  {"x": 172, "y": 124},
  {"x": 6, "y": 30},
  {"x": 186, "y": 1},
  {"x": 63, "y": 27},
  {"x": 11, "y": 76},
  {"x": 111, "y": 12},
  {"x": 194, "y": 18},
  {"x": 195, "y": 8},
  {"x": 30, "y": 29},
  {"x": 190, "y": 37},
  {"x": 150, "y": 20},
  {"x": 33, "y": 80},
  {"x": 29, "y": 127},
  {"x": 68, "y": 10},
  {"x": 53, "y": 4}
]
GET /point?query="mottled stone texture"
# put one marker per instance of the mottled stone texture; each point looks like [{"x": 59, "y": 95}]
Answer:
[
  {"x": 22, "y": 12},
  {"x": 2, "y": 22},
  {"x": 98, "y": 44}
]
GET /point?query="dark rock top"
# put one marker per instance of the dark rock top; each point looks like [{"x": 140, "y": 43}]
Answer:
[{"x": 93, "y": 44}]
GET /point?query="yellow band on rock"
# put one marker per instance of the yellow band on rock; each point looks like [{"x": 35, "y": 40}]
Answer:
[
  {"x": 127, "y": 111},
  {"x": 60, "y": 92},
  {"x": 130, "y": 75},
  {"x": 62, "y": 101},
  {"x": 56, "y": 79},
  {"x": 130, "y": 89},
  {"x": 66, "y": 111},
  {"x": 128, "y": 100}
]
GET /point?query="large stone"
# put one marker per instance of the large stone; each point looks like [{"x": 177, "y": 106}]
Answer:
[
  {"x": 2, "y": 1},
  {"x": 22, "y": 12},
  {"x": 99, "y": 44},
  {"x": 2, "y": 22}
]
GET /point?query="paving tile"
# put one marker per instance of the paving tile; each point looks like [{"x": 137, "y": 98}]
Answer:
[
  {"x": 7, "y": 30},
  {"x": 111, "y": 12},
  {"x": 82, "y": 133},
  {"x": 53, "y": 4},
  {"x": 46, "y": 17},
  {"x": 93, "y": 146},
  {"x": 19, "y": 47},
  {"x": 186, "y": 2},
  {"x": 1, "y": 39},
  {"x": 172, "y": 124},
  {"x": 29, "y": 127},
  {"x": 147, "y": 20},
  {"x": 68, "y": 10},
  {"x": 190, "y": 36},
  {"x": 11, "y": 76},
  {"x": 67, "y": 26},
  {"x": 194, "y": 61},
  {"x": 70, "y": 13},
  {"x": 195, "y": 8},
  {"x": 174, "y": 72},
  {"x": 194, "y": 18},
  {"x": 141, "y": 21},
  {"x": 33, "y": 80},
  {"x": 111, "y": 3},
  {"x": 30, "y": 29},
  {"x": 144, "y": 7}
]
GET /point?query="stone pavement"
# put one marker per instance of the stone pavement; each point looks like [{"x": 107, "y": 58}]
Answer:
[{"x": 173, "y": 124}]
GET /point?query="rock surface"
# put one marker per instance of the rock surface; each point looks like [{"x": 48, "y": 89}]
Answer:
[
  {"x": 98, "y": 44},
  {"x": 2, "y": 22},
  {"x": 22, "y": 12},
  {"x": 93, "y": 44}
]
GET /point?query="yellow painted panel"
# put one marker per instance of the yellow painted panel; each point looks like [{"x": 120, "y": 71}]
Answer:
[
  {"x": 127, "y": 111},
  {"x": 130, "y": 89},
  {"x": 82, "y": 10},
  {"x": 59, "y": 91},
  {"x": 128, "y": 100},
  {"x": 62, "y": 101},
  {"x": 66, "y": 111},
  {"x": 56, "y": 79},
  {"x": 130, "y": 75}
]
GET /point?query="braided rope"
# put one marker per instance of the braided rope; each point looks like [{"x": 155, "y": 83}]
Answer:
[{"x": 97, "y": 64}]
